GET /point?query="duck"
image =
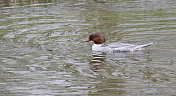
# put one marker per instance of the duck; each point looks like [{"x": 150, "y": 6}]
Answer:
[{"x": 99, "y": 45}]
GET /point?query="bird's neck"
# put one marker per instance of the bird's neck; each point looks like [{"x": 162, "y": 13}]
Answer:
[{"x": 97, "y": 47}]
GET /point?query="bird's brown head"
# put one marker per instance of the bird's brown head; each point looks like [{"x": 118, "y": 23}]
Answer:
[{"x": 97, "y": 38}]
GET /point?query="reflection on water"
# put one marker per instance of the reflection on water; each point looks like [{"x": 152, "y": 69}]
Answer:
[
  {"x": 41, "y": 52},
  {"x": 98, "y": 57}
]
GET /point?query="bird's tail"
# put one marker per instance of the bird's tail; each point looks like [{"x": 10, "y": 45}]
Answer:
[
  {"x": 139, "y": 47},
  {"x": 145, "y": 45}
]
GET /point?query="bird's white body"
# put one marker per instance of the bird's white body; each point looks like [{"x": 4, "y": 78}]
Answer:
[{"x": 118, "y": 47}]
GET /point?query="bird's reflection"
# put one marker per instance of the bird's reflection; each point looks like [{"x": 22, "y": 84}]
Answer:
[
  {"x": 109, "y": 84},
  {"x": 98, "y": 57}
]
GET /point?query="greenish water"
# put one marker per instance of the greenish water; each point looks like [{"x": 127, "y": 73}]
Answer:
[{"x": 41, "y": 52}]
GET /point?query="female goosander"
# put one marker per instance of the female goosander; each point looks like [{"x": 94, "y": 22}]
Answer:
[{"x": 98, "y": 45}]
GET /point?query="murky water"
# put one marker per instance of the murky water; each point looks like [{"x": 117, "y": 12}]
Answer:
[{"x": 41, "y": 52}]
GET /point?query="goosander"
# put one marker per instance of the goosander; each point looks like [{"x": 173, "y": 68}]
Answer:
[{"x": 99, "y": 45}]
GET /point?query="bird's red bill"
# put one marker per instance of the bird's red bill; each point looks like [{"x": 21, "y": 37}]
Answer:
[{"x": 86, "y": 41}]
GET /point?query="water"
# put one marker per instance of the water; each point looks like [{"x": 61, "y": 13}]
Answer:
[{"x": 41, "y": 52}]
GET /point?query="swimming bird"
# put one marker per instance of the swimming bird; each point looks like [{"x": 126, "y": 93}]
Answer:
[{"x": 99, "y": 45}]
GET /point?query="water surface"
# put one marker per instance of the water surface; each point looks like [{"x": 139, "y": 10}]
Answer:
[{"x": 41, "y": 52}]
